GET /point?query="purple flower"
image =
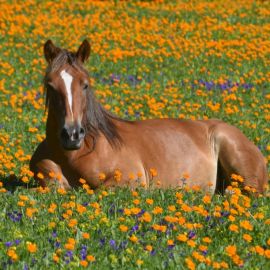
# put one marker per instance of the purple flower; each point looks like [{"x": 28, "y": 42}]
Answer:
[
  {"x": 83, "y": 252},
  {"x": 112, "y": 243},
  {"x": 54, "y": 234},
  {"x": 135, "y": 228},
  {"x": 141, "y": 213},
  {"x": 8, "y": 244},
  {"x": 15, "y": 216},
  {"x": 102, "y": 241},
  {"x": 17, "y": 241},
  {"x": 204, "y": 252},
  {"x": 225, "y": 213},
  {"x": 68, "y": 256},
  {"x": 191, "y": 234}
]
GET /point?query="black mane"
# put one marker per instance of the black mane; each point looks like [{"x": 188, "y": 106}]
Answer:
[{"x": 96, "y": 118}]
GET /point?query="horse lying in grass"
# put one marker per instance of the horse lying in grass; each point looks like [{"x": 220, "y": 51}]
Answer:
[{"x": 83, "y": 140}]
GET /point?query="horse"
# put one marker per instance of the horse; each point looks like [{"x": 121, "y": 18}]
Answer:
[{"x": 85, "y": 141}]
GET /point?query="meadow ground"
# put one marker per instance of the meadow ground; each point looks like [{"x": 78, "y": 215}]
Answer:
[{"x": 183, "y": 59}]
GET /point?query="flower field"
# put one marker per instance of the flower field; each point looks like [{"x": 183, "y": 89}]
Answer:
[{"x": 149, "y": 59}]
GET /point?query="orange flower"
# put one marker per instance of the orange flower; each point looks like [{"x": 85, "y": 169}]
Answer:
[
  {"x": 31, "y": 247},
  {"x": 207, "y": 199},
  {"x": 172, "y": 208},
  {"x": 102, "y": 176},
  {"x": 117, "y": 175},
  {"x": 55, "y": 258},
  {"x": 146, "y": 217},
  {"x": 149, "y": 248},
  {"x": 12, "y": 254},
  {"x": 190, "y": 263},
  {"x": 233, "y": 228},
  {"x": 136, "y": 201},
  {"x": 133, "y": 238},
  {"x": 191, "y": 243},
  {"x": 247, "y": 237},
  {"x": 170, "y": 242},
  {"x": 246, "y": 225},
  {"x": 149, "y": 201},
  {"x": 157, "y": 210},
  {"x": 40, "y": 175},
  {"x": 231, "y": 250},
  {"x": 84, "y": 263},
  {"x": 182, "y": 238},
  {"x": 123, "y": 228},
  {"x": 82, "y": 181},
  {"x": 153, "y": 172},
  {"x": 90, "y": 258},
  {"x": 86, "y": 235},
  {"x": 72, "y": 223}
]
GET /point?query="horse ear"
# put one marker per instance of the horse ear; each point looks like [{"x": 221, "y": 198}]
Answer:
[
  {"x": 50, "y": 51},
  {"x": 83, "y": 51}
]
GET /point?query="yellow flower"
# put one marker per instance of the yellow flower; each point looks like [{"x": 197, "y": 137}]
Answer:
[{"x": 52, "y": 225}]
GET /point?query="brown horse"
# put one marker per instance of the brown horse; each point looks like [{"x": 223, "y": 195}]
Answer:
[{"x": 84, "y": 140}]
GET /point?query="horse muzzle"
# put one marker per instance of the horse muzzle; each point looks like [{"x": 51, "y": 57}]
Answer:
[{"x": 72, "y": 137}]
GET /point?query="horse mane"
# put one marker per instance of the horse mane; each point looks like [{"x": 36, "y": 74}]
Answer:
[{"x": 96, "y": 118}]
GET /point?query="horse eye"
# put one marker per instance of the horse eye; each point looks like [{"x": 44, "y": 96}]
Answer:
[{"x": 85, "y": 86}]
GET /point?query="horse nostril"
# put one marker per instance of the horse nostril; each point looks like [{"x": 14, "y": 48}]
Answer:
[
  {"x": 82, "y": 131},
  {"x": 64, "y": 134}
]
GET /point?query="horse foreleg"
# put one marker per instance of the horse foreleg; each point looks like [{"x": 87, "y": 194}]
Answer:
[
  {"x": 45, "y": 170},
  {"x": 47, "y": 173}
]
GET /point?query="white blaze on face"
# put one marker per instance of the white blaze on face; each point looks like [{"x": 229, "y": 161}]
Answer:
[{"x": 67, "y": 78}]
